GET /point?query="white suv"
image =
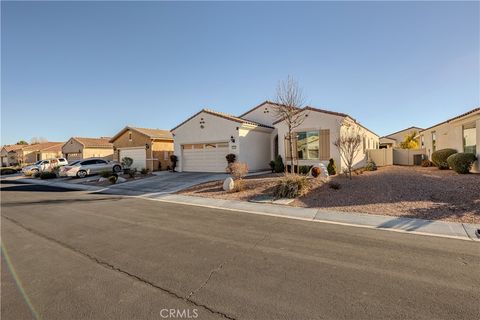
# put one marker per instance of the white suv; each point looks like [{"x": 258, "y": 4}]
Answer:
[{"x": 43, "y": 165}]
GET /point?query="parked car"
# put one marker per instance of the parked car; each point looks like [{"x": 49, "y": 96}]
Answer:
[
  {"x": 83, "y": 168},
  {"x": 43, "y": 165}
]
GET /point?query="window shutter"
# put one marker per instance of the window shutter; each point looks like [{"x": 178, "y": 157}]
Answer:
[{"x": 324, "y": 147}]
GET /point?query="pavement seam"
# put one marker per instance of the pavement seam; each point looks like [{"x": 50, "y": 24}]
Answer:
[
  {"x": 109, "y": 266},
  {"x": 468, "y": 234}
]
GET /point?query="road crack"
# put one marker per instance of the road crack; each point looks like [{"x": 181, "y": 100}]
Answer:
[{"x": 112, "y": 267}]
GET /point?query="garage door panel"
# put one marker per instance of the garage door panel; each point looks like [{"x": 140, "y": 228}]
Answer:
[
  {"x": 210, "y": 159},
  {"x": 138, "y": 156}
]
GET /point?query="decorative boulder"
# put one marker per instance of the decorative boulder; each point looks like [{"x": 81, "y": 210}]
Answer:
[
  {"x": 323, "y": 170},
  {"x": 120, "y": 180},
  {"x": 228, "y": 184}
]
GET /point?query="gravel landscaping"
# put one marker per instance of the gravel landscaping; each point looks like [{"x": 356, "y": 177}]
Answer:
[{"x": 413, "y": 192}]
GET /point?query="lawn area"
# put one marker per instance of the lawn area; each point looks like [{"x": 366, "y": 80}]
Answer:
[{"x": 413, "y": 192}]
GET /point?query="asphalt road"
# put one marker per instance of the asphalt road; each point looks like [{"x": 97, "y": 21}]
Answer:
[{"x": 72, "y": 255}]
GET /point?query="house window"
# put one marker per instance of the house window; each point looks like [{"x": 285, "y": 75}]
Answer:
[
  {"x": 434, "y": 141},
  {"x": 308, "y": 145},
  {"x": 364, "y": 144},
  {"x": 129, "y": 136},
  {"x": 470, "y": 138}
]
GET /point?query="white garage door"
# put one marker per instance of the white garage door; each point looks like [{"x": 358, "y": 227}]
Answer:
[
  {"x": 209, "y": 157},
  {"x": 138, "y": 155}
]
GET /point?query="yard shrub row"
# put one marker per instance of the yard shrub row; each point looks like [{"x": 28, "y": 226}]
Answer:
[
  {"x": 439, "y": 158},
  {"x": 461, "y": 162}
]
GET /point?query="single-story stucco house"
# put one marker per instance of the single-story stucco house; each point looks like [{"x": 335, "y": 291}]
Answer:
[
  {"x": 9, "y": 154},
  {"x": 393, "y": 140},
  {"x": 257, "y": 136},
  {"x": 77, "y": 148},
  {"x": 42, "y": 151},
  {"x": 461, "y": 133},
  {"x": 149, "y": 148}
]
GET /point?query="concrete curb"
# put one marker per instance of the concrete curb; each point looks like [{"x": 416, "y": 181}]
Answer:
[
  {"x": 462, "y": 231},
  {"x": 397, "y": 224}
]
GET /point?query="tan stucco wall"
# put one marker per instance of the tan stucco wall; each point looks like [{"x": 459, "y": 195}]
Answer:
[
  {"x": 450, "y": 135},
  {"x": 155, "y": 154},
  {"x": 265, "y": 115},
  {"x": 72, "y": 146},
  {"x": 106, "y": 153}
]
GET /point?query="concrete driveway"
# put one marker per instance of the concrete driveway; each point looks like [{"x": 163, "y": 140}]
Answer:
[{"x": 164, "y": 182}]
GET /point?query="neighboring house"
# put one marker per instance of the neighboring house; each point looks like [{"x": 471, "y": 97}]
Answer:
[
  {"x": 149, "y": 148},
  {"x": 39, "y": 151},
  {"x": 258, "y": 136},
  {"x": 461, "y": 133},
  {"x": 77, "y": 148},
  {"x": 393, "y": 140},
  {"x": 9, "y": 154}
]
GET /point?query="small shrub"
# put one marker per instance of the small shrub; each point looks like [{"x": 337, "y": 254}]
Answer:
[
  {"x": 291, "y": 186},
  {"x": 144, "y": 171},
  {"x": 238, "y": 170},
  {"x": 331, "y": 167},
  {"x": 334, "y": 185},
  {"x": 36, "y": 174},
  {"x": 173, "y": 160},
  {"x": 47, "y": 175},
  {"x": 427, "y": 163},
  {"x": 316, "y": 171},
  {"x": 279, "y": 166},
  {"x": 272, "y": 166},
  {"x": 370, "y": 166},
  {"x": 439, "y": 158},
  {"x": 105, "y": 173},
  {"x": 231, "y": 158},
  {"x": 304, "y": 169},
  {"x": 132, "y": 172},
  {"x": 113, "y": 179},
  {"x": 461, "y": 162},
  {"x": 127, "y": 162},
  {"x": 7, "y": 171}
]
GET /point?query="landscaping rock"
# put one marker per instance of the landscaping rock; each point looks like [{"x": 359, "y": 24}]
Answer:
[
  {"x": 120, "y": 180},
  {"x": 102, "y": 179},
  {"x": 323, "y": 170},
  {"x": 228, "y": 184}
]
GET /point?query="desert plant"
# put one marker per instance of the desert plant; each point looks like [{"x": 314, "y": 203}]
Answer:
[
  {"x": 439, "y": 158},
  {"x": 316, "y": 171},
  {"x": 105, "y": 173},
  {"x": 132, "y": 173},
  {"x": 144, "y": 171},
  {"x": 427, "y": 163},
  {"x": 272, "y": 166},
  {"x": 334, "y": 185},
  {"x": 370, "y": 166},
  {"x": 304, "y": 169},
  {"x": 279, "y": 166},
  {"x": 331, "y": 167},
  {"x": 291, "y": 186},
  {"x": 238, "y": 170},
  {"x": 36, "y": 174},
  {"x": 461, "y": 162},
  {"x": 173, "y": 160},
  {"x": 231, "y": 157},
  {"x": 127, "y": 162},
  {"x": 47, "y": 175},
  {"x": 113, "y": 179}
]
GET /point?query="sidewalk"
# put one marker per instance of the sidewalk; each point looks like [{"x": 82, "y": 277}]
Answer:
[
  {"x": 463, "y": 231},
  {"x": 453, "y": 230}
]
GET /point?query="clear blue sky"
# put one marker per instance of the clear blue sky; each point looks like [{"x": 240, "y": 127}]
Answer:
[{"x": 88, "y": 69}]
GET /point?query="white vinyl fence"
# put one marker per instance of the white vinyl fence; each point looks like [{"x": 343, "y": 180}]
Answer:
[{"x": 389, "y": 156}]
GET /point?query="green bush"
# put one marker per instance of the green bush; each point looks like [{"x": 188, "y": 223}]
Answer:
[
  {"x": 291, "y": 186},
  {"x": 47, "y": 175},
  {"x": 113, "y": 179},
  {"x": 279, "y": 166},
  {"x": 173, "y": 160},
  {"x": 7, "y": 171},
  {"x": 144, "y": 171},
  {"x": 370, "y": 166},
  {"x": 105, "y": 173},
  {"x": 304, "y": 169},
  {"x": 331, "y": 167},
  {"x": 36, "y": 174},
  {"x": 231, "y": 157},
  {"x": 439, "y": 158},
  {"x": 461, "y": 162},
  {"x": 272, "y": 166},
  {"x": 334, "y": 185},
  {"x": 132, "y": 172}
]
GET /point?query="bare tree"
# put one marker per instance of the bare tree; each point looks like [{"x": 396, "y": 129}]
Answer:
[
  {"x": 289, "y": 100},
  {"x": 36, "y": 140},
  {"x": 349, "y": 144}
]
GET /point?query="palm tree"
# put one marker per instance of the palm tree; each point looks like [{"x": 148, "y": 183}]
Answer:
[{"x": 410, "y": 141}]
